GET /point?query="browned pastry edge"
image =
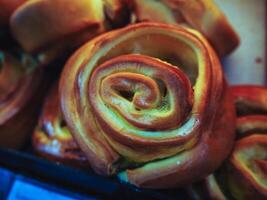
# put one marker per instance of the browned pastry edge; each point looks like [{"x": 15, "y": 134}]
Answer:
[
  {"x": 243, "y": 174},
  {"x": 203, "y": 15},
  {"x": 40, "y": 26},
  {"x": 52, "y": 139}
]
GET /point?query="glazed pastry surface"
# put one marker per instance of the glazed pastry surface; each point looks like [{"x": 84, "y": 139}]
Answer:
[{"x": 150, "y": 103}]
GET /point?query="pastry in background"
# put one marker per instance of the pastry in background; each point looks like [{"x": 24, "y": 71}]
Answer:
[
  {"x": 19, "y": 98},
  {"x": 49, "y": 29},
  {"x": 52, "y": 138},
  {"x": 244, "y": 174},
  {"x": 149, "y": 103},
  {"x": 202, "y": 15}
]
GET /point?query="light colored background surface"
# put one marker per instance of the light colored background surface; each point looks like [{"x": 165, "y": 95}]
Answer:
[{"x": 248, "y": 19}]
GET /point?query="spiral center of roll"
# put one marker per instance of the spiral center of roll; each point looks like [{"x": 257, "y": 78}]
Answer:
[
  {"x": 144, "y": 92},
  {"x": 141, "y": 91}
]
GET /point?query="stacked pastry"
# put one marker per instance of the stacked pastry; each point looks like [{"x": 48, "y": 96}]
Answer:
[
  {"x": 147, "y": 102},
  {"x": 243, "y": 175},
  {"x": 49, "y": 29}
]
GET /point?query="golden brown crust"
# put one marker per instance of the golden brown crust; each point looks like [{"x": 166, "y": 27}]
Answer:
[
  {"x": 187, "y": 148},
  {"x": 56, "y": 26},
  {"x": 114, "y": 117},
  {"x": 203, "y": 15},
  {"x": 18, "y": 100},
  {"x": 50, "y": 29},
  {"x": 247, "y": 174},
  {"x": 52, "y": 139}
]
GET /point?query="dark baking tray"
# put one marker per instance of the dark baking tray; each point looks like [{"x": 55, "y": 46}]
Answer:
[{"x": 79, "y": 181}]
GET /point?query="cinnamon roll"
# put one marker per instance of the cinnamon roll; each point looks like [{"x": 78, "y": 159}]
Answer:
[
  {"x": 243, "y": 176},
  {"x": 149, "y": 102}
]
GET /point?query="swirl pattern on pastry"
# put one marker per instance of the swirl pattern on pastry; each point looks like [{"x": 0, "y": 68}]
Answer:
[
  {"x": 143, "y": 100},
  {"x": 52, "y": 138}
]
